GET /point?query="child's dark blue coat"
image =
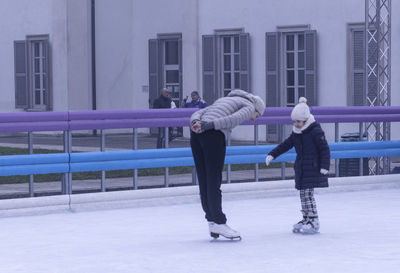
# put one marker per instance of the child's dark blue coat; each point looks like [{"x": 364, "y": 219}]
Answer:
[{"x": 312, "y": 155}]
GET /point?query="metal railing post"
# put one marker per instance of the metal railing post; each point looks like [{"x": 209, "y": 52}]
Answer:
[
  {"x": 31, "y": 179},
  {"x": 256, "y": 143},
  {"x": 360, "y": 127},
  {"x": 135, "y": 171},
  {"x": 66, "y": 187},
  {"x": 166, "y": 175},
  {"x": 283, "y": 164},
  {"x": 102, "y": 149},
  {"x": 336, "y": 140},
  {"x": 228, "y": 171}
]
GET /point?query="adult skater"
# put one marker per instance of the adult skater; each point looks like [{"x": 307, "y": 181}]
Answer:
[
  {"x": 209, "y": 127},
  {"x": 312, "y": 163}
]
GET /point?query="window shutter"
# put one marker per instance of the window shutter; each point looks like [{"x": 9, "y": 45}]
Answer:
[
  {"x": 209, "y": 69},
  {"x": 21, "y": 75},
  {"x": 244, "y": 45},
  {"x": 272, "y": 80},
  {"x": 358, "y": 67},
  {"x": 311, "y": 66},
  {"x": 154, "y": 69}
]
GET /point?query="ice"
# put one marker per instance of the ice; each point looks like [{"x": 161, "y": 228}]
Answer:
[{"x": 359, "y": 233}]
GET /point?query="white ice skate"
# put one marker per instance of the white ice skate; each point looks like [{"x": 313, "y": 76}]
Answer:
[
  {"x": 310, "y": 227},
  {"x": 224, "y": 230},
  {"x": 297, "y": 227}
]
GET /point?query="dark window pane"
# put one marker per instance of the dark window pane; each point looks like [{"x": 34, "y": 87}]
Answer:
[
  {"x": 36, "y": 49},
  {"x": 300, "y": 57},
  {"x": 227, "y": 81},
  {"x": 289, "y": 60},
  {"x": 44, "y": 96},
  {"x": 171, "y": 52},
  {"x": 237, "y": 80},
  {"x": 37, "y": 97},
  {"x": 37, "y": 66},
  {"x": 302, "y": 92},
  {"x": 290, "y": 42},
  {"x": 290, "y": 78},
  {"x": 227, "y": 62},
  {"x": 227, "y": 44},
  {"x": 37, "y": 81},
  {"x": 290, "y": 95},
  {"x": 300, "y": 45},
  {"x": 172, "y": 76},
  {"x": 236, "y": 44},
  {"x": 236, "y": 62},
  {"x": 226, "y": 92},
  {"x": 300, "y": 77}
]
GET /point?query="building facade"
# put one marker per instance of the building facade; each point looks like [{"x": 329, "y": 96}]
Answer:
[{"x": 279, "y": 50}]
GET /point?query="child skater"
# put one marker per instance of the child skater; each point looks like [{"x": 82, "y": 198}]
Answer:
[{"x": 311, "y": 166}]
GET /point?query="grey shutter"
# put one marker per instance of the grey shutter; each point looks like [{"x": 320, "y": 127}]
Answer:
[
  {"x": 272, "y": 80},
  {"x": 358, "y": 68},
  {"x": 209, "y": 69},
  {"x": 311, "y": 66},
  {"x": 154, "y": 70},
  {"x": 21, "y": 75},
  {"x": 244, "y": 45}
]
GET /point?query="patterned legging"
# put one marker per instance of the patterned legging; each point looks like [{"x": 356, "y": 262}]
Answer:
[{"x": 308, "y": 204}]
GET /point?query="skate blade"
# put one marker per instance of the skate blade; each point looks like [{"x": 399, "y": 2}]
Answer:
[
  {"x": 307, "y": 232},
  {"x": 234, "y": 238}
]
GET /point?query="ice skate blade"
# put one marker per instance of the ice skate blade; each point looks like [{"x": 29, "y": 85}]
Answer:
[
  {"x": 216, "y": 236},
  {"x": 302, "y": 232}
]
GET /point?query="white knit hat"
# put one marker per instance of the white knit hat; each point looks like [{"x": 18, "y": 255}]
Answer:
[
  {"x": 301, "y": 111},
  {"x": 259, "y": 104}
]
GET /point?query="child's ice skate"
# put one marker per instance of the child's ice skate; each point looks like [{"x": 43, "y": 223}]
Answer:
[
  {"x": 224, "y": 230},
  {"x": 297, "y": 227},
  {"x": 311, "y": 226}
]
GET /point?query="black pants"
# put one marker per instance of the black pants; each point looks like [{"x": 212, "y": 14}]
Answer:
[
  {"x": 208, "y": 150},
  {"x": 161, "y": 137}
]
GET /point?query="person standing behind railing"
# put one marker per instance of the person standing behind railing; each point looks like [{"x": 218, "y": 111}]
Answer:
[
  {"x": 163, "y": 102},
  {"x": 196, "y": 102},
  {"x": 209, "y": 127},
  {"x": 311, "y": 166}
]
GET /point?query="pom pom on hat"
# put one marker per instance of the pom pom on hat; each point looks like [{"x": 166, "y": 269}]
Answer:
[{"x": 301, "y": 111}]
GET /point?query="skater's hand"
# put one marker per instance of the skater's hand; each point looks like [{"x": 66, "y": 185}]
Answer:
[
  {"x": 268, "y": 159},
  {"x": 196, "y": 127},
  {"x": 324, "y": 171}
]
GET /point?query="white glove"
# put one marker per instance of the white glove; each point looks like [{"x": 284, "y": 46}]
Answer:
[
  {"x": 324, "y": 171},
  {"x": 268, "y": 159}
]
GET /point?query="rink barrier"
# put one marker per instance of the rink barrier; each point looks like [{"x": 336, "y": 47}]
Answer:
[
  {"x": 173, "y": 157},
  {"x": 71, "y": 121}
]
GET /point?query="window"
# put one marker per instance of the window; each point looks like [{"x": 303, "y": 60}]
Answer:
[
  {"x": 230, "y": 63},
  {"x": 165, "y": 66},
  {"x": 226, "y": 63},
  {"x": 291, "y": 69},
  {"x": 294, "y": 67},
  {"x": 32, "y": 73}
]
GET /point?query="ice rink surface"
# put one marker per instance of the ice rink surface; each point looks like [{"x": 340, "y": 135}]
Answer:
[{"x": 360, "y": 232}]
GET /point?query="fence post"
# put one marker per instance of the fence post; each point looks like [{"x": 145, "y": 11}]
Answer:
[
  {"x": 102, "y": 149},
  {"x": 31, "y": 179},
  {"x": 166, "y": 175},
  {"x": 66, "y": 187},
  {"x": 283, "y": 164},
  {"x": 228, "y": 171},
  {"x": 256, "y": 143},
  {"x": 135, "y": 171},
  {"x": 336, "y": 140},
  {"x": 360, "y": 127}
]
